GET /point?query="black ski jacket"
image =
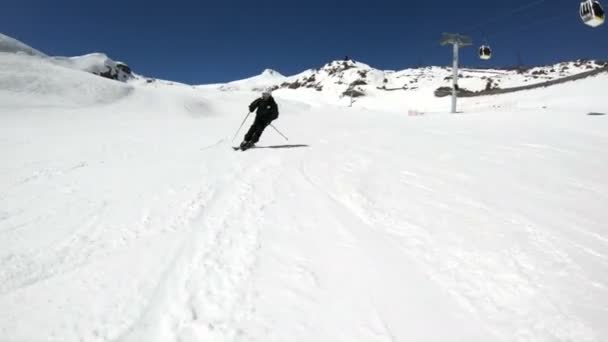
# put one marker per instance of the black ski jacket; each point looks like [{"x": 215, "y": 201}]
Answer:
[{"x": 267, "y": 110}]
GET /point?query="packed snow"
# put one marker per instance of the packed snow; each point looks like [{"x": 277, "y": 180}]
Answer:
[{"x": 126, "y": 216}]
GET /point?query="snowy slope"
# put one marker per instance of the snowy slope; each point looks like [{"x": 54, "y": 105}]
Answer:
[
  {"x": 95, "y": 63},
  {"x": 38, "y": 81},
  {"x": 11, "y": 45},
  {"x": 125, "y": 215}
]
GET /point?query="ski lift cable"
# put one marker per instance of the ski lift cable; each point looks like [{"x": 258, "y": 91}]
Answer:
[
  {"x": 504, "y": 16},
  {"x": 532, "y": 25},
  {"x": 488, "y": 31},
  {"x": 526, "y": 28},
  {"x": 502, "y": 30}
]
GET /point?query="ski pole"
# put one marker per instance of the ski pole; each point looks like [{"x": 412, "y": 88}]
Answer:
[
  {"x": 241, "y": 126},
  {"x": 279, "y": 132}
]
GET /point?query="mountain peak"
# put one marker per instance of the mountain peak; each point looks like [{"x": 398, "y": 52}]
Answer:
[{"x": 270, "y": 72}]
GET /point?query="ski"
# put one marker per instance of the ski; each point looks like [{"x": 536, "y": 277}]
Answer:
[
  {"x": 236, "y": 148},
  {"x": 243, "y": 147}
]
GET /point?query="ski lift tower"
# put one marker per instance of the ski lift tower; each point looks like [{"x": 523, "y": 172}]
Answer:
[{"x": 457, "y": 41}]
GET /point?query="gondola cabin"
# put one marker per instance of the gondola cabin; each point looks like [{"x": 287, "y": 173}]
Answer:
[
  {"x": 592, "y": 13},
  {"x": 485, "y": 52}
]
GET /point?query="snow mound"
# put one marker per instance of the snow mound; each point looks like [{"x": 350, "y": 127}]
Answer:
[
  {"x": 11, "y": 45},
  {"x": 98, "y": 64},
  {"x": 27, "y": 81},
  {"x": 95, "y": 63}
]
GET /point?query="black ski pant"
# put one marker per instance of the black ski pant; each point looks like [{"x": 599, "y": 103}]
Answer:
[{"x": 256, "y": 130}]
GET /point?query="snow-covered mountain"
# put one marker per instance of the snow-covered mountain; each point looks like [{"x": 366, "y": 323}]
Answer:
[
  {"x": 339, "y": 79},
  {"x": 126, "y": 216},
  {"x": 267, "y": 79},
  {"x": 95, "y": 63},
  {"x": 352, "y": 78}
]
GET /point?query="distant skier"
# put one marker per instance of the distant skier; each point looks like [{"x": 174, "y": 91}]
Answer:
[{"x": 267, "y": 111}]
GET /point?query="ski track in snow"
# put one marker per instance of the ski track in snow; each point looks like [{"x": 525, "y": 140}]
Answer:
[
  {"x": 471, "y": 274},
  {"x": 206, "y": 291}
]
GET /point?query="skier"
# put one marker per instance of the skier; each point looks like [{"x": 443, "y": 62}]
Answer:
[{"x": 267, "y": 111}]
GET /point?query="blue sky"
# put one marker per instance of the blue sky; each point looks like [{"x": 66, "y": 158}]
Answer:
[{"x": 216, "y": 41}]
